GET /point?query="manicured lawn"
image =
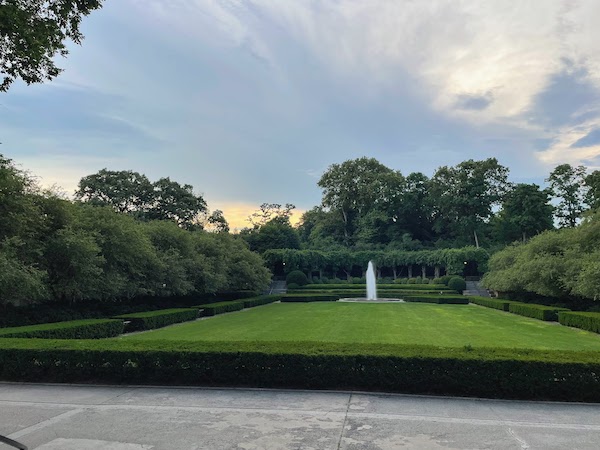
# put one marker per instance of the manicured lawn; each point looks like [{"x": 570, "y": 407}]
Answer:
[{"x": 398, "y": 323}]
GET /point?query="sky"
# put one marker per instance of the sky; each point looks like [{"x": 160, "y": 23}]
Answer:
[{"x": 251, "y": 101}]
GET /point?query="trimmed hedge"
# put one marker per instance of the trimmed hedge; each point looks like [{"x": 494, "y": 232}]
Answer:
[
  {"x": 213, "y": 309},
  {"x": 150, "y": 320},
  {"x": 414, "y": 287},
  {"x": 76, "y": 329},
  {"x": 478, "y": 372},
  {"x": 261, "y": 300},
  {"x": 495, "y": 303},
  {"x": 439, "y": 299},
  {"x": 541, "y": 312},
  {"x": 304, "y": 298},
  {"x": 362, "y": 292},
  {"x": 585, "y": 320}
]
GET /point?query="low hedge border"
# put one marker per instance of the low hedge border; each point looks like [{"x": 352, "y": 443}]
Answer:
[
  {"x": 362, "y": 292},
  {"x": 150, "y": 320},
  {"x": 305, "y": 298},
  {"x": 439, "y": 299},
  {"x": 213, "y": 309},
  {"x": 585, "y": 320},
  {"x": 75, "y": 329},
  {"x": 399, "y": 287},
  {"x": 495, "y": 303},
  {"x": 479, "y": 372},
  {"x": 541, "y": 312}
]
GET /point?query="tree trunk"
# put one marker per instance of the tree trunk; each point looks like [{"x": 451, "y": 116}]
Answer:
[
  {"x": 395, "y": 274},
  {"x": 436, "y": 272},
  {"x": 348, "y": 277},
  {"x": 423, "y": 272},
  {"x": 379, "y": 274},
  {"x": 476, "y": 239},
  {"x": 524, "y": 237},
  {"x": 410, "y": 272},
  {"x": 320, "y": 274}
]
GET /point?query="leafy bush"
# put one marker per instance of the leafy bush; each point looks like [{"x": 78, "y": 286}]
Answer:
[
  {"x": 478, "y": 372},
  {"x": 547, "y": 313},
  {"x": 425, "y": 281},
  {"x": 412, "y": 281},
  {"x": 304, "y": 298},
  {"x": 77, "y": 329},
  {"x": 386, "y": 280},
  {"x": 261, "y": 300},
  {"x": 446, "y": 279},
  {"x": 150, "y": 320},
  {"x": 347, "y": 287},
  {"x": 213, "y": 309},
  {"x": 401, "y": 281},
  {"x": 585, "y": 320},
  {"x": 491, "y": 302},
  {"x": 437, "y": 281},
  {"x": 293, "y": 286},
  {"x": 296, "y": 277},
  {"x": 457, "y": 284}
]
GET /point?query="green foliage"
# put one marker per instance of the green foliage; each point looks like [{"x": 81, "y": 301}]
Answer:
[
  {"x": 77, "y": 329},
  {"x": 213, "y": 309},
  {"x": 547, "y": 313},
  {"x": 19, "y": 283},
  {"x": 506, "y": 373},
  {"x": 157, "y": 319},
  {"x": 585, "y": 320},
  {"x": 261, "y": 300},
  {"x": 437, "y": 281},
  {"x": 592, "y": 183},
  {"x": 446, "y": 279},
  {"x": 568, "y": 185},
  {"x": 457, "y": 284},
  {"x": 491, "y": 302},
  {"x": 412, "y": 281},
  {"x": 296, "y": 277},
  {"x": 293, "y": 286},
  {"x": 34, "y": 32}
]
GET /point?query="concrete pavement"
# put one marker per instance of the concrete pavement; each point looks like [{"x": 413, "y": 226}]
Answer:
[{"x": 62, "y": 417}]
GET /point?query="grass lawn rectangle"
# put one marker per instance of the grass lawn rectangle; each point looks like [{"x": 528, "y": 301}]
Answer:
[{"x": 397, "y": 323}]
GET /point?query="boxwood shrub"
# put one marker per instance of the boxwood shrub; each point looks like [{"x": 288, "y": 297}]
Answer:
[
  {"x": 412, "y": 287},
  {"x": 495, "y": 303},
  {"x": 589, "y": 321},
  {"x": 150, "y": 320},
  {"x": 261, "y": 300},
  {"x": 478, "y": 372},
  {"x": 75, "y": 329},
  {"x": 221, "y": 307},
  {"x": 541, "y": 312}
]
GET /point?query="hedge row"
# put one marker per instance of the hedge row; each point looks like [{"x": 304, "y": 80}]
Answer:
[
  {"x": 400, "y": 287},
  {"x": 585, "y": 320},
  {"x": 304, "y": 298},
  {"x": 480, "y": 372},
  {"x": 495, "y": 303},
  {"x": 76, "y": 329},
  {"x": 150, "y": 320},
  {"x": 382, "y": 293},
  {"x": 439, "y": 299},
  {"x": 213, "y": 309},
  {"x": 541, "y": 312}
]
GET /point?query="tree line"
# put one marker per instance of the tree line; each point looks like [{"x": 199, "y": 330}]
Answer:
[{"x": 104, "y": 248}]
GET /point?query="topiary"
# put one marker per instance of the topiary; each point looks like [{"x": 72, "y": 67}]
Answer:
[
  {"x": 425, "y": 281},
  {"x": 412, "y": 281},
  {"x": 446, "y": 278},
  {"x": 418, "y": 280},
  {"x": 292, "y": 286},
  {"x": 457, "y": 284},
  {"x": 296, "y": 277},
  {"x": 437, "y": 281}
]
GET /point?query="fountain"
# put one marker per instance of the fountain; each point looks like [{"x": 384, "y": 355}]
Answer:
[{"x": 371, "y": 282}]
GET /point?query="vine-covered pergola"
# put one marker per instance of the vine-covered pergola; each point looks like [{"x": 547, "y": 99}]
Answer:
[{"x": 395, "y": 263}]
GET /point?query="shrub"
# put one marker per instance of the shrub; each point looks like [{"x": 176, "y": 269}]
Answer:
[
  {"x": 585, "y": 320},
  {"x": 412, "y": 281},
  {"x": 324, "y": 280},
  {"x": 401, "y": 281},
  {"x": 213, "y": 309},
  {"x": 157, "y": 319},
  {"x": 76, "y": 329},
  {"x": 425, "y": 281},
  {"x": 296, "y": 277},
  {"x": 437, "y": 281},
  {"x": 292, "y": 286},
  {"x": 261, "y": 300},
  {"x": 491, "y": 302},
  {"x": 547, "y": 313},
  {"x": 457, "y": 284},
  {"x": 357, "y": 280},
  {"x": 478, "y": 372},
  {"x": 386, "y": 280},
  {"x": 446, "y": 279}
]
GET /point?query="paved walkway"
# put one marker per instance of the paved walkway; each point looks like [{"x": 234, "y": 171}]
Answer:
[{"x": 54, "y": 417}]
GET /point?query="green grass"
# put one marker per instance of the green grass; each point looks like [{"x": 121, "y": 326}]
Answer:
[{"x": 398, "y": 323}]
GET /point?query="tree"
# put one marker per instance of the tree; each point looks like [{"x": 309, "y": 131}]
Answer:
[
  {"x": 277, "y": 233},
  {"x": 568, "y": 185},
  {"x": 172, "y": 201},
  {"x": 592, "y": 182},
  {"x": 414, "y": 213},
  {"x": 216, "y": 222},
  {"x": 269, "y": 211},
  {"x": 33, "y": 32},
  {"x": 125, "y": 191},
  {"x": 355, "y": 187},
  {"x": 465, "y": 195},
  {"x": 526, "y": 211}
]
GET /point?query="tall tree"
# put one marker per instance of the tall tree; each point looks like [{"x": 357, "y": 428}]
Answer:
[
  {"x": 355, "y": 187},
  {"x": 568, "y": 186},
  {"x": 466, "y": 194},
  {"x": 526, "y": 211},
  {"x": 173, "y": 201},
  {"x": 33, "y": 32},
  {"x": 269, "y": 211},
  {"x": 592, "y": 182}
]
